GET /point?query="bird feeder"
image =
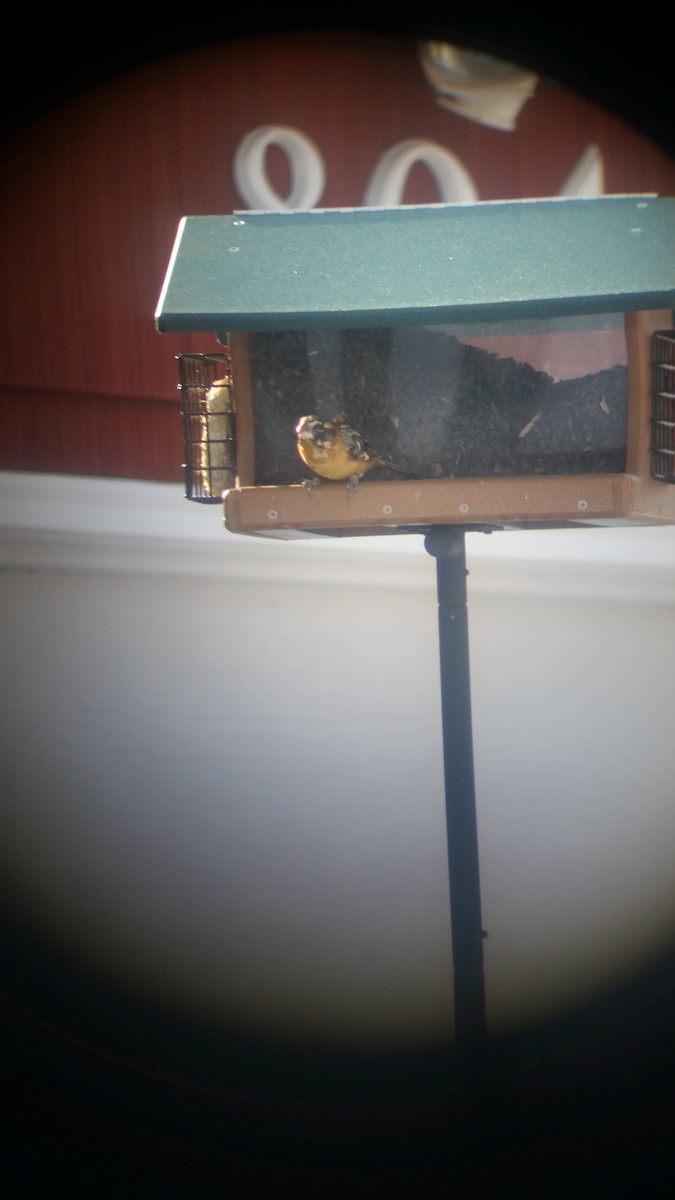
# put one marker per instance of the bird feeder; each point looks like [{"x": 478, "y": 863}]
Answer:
[{"x": 517, "y": 359}]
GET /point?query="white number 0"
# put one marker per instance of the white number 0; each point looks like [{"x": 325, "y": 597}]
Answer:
[{"x": 388, "y": 180}]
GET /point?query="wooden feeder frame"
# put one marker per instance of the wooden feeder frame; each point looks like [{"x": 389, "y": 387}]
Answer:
[{"x": 527, "y": 501}]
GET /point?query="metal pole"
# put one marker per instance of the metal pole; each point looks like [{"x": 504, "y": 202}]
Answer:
[{"x": 446, "y": 545}]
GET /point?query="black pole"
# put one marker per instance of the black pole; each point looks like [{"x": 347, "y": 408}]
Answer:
[{"x": 446, "y": 545}]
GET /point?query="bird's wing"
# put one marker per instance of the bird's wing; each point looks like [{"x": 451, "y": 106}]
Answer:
[{"x": 356, "y": 444}]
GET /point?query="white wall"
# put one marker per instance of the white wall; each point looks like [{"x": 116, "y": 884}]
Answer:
[{"x": 222, "y": 760}]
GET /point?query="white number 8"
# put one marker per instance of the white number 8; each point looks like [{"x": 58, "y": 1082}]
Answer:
[{"x": 307, "y": 169}]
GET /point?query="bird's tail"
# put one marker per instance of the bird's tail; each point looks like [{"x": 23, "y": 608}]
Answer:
[{"x": 392, "y": 466}]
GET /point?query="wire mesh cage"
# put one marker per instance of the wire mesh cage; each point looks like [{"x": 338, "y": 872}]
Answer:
[
  {"x": 207, "y": 410},
  {"x": 663, "y": 405}
]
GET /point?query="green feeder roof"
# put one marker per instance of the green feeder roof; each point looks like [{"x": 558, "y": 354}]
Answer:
[{"x": 419, "y": 264}]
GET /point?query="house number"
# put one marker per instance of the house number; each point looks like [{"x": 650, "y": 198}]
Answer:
[{"x": 307, "y": 171}]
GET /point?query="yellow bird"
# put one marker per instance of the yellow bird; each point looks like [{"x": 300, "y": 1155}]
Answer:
[{"x": 334, "y": 450}]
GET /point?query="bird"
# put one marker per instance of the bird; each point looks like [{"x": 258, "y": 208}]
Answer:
[{"x": 336, "y": 451}]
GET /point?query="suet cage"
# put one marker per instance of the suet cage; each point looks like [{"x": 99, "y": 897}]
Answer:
[
  {"x": 205, "y": 383},
  {"x": 663, "y": 402}
]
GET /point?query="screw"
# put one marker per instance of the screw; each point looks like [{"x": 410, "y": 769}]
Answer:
[
  {"x": 387, "y": 510},
  {"x": 463, "y": 508},
  {"x": 272, "y": 514},
  {"x": 582, "y": 504}
]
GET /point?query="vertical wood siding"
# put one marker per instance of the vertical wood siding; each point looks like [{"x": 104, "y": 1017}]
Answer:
[{"x": 93, "y": 192}]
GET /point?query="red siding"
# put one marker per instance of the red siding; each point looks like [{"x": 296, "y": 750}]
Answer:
[{"x": 94, "y": 190}]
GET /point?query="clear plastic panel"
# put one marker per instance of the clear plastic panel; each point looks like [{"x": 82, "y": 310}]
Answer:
[{"x": 451, "y": 401}]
